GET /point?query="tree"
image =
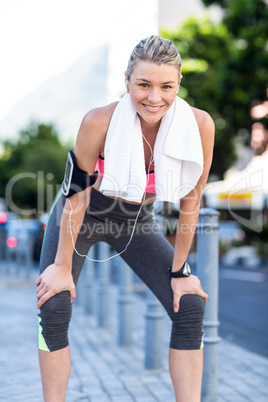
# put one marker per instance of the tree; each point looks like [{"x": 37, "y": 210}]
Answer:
[
  {"x": 35, "y": 164},
  {"x": 225, "y": 70}
]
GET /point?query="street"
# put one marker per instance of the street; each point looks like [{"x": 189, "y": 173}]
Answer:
[{"x": 243, "y": 306}]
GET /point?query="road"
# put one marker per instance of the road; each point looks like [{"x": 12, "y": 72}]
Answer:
[{"x": 243, "y": 307}]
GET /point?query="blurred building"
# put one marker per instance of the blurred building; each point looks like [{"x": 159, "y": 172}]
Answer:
[
  {"x": 241, "y": 189},
  {"x": 244, "y": 192}
]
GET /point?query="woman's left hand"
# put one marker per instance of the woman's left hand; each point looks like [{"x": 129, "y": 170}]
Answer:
[{"x": 182, "y": 286}]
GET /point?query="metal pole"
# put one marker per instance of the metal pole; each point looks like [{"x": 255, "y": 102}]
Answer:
[
  {"x": 10, "y": 253},
  {"x": 3, "y": 246},
  {"x": 154, "y": 322},
  {"x": 24, "y": 254},
  {"x": 29, "y": 256},
  {"x": 154, "y": 332},
  {"x": 208, "y": 273},
  {"x": 125, "y": 304},
  {"x": 79, "y": 290},
  {"x": 89, "y": 283},
  {"x": 103, "y": 299}
]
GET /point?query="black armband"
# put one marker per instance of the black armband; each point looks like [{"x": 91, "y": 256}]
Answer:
[{"x": 76, "y": 179}]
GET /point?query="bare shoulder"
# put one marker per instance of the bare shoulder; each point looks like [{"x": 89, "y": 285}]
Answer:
[
  {"x": 91, "y": 136},
  {"x": 98, "y": 118},
  {"x": 205, "y": 124}
]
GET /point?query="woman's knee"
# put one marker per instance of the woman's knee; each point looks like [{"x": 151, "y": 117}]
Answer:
[
  {"x": 54, "y": 318},
  {"x": 187, "y": 329},
  {"x": 193, "y": 304}
]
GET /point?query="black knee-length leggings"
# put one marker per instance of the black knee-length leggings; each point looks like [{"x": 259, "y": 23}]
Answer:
[{"x": 149, "y": 254}]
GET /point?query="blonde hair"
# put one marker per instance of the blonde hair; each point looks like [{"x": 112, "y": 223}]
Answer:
[{"x": 156, "y": 50}]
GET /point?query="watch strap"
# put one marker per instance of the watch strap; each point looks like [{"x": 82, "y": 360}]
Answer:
[{"x": 184, "y": 272}]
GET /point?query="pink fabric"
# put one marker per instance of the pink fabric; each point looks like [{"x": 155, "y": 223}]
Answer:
[
  {"x": 150, "y": 188},
  {"x": 100, "y": 166}
]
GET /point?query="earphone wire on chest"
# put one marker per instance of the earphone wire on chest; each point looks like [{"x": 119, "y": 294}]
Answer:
[{"x": 135, "y": 222}]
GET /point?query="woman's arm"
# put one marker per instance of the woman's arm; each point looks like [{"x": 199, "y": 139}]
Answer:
[
  {"x": 90, "y": 142},
  {"x": 189, "y": 211}
]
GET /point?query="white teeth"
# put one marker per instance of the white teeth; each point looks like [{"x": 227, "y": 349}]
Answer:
[{"x": 153, "y": 107}]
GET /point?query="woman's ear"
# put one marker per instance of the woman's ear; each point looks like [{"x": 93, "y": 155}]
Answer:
[{"x": 179, "y": 83}]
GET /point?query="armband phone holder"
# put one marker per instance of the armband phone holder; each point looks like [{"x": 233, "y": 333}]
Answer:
[{"x": 76, "y": 179}]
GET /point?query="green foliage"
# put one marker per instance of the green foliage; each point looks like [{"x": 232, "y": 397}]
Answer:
[
  {"x": 36, "y": 163},
  {"x": 225, "y": 70}
]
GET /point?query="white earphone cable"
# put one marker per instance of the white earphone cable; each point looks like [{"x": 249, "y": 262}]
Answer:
[{"x": 132, "y": 233}]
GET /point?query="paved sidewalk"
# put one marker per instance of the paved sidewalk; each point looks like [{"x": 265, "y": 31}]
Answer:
[{"x": 103, "y": 371}]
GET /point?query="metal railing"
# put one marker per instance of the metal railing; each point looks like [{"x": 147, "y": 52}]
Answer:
[{"x": 208, "y": 273}]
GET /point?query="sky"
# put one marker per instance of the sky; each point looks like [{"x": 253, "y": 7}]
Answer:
[{"x": 40, "y": 39}]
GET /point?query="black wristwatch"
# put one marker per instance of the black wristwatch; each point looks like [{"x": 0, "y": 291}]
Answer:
[{"x": 184, "y": 272}]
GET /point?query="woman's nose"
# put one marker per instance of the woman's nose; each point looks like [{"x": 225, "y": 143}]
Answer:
[{"x": 154, "y": 96}]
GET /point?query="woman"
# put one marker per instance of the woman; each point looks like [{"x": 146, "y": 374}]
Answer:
[{"x": 140, "y": 121}]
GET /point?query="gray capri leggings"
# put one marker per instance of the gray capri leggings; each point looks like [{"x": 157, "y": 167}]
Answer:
[{"x": 149, "y": 254}]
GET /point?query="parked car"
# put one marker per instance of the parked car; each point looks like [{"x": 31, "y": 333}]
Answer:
[
  {"x": 5, "y": 218},
  {"x": 230, "y": 232},
  {"x": 245, "y": 255},
  {"x": 21, "y": 235}
]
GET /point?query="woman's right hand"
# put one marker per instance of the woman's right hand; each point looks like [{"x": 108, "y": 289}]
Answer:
[
  {"x": 54, "y": 279},
  {"x": 182, "y": 286}
]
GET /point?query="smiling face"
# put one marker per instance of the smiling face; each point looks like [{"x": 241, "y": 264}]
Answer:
[{"x": 152, "y": 88}]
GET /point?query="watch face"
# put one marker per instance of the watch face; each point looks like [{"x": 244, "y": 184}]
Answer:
[
  {"x": 187, "y": 269},
  {"x": 68, "y": 175}
]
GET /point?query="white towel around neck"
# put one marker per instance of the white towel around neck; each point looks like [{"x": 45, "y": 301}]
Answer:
[{"x": 178, "y": 154}]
